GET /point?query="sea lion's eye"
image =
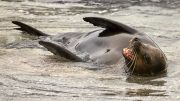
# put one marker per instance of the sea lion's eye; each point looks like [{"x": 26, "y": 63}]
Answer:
[{"x": 147, "y": 59}]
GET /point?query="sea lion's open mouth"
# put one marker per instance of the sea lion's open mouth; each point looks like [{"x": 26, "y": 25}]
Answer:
[{"x": 128, "y": 54}]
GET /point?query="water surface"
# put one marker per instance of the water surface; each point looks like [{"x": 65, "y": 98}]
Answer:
[{"x": 30, "y": 73}]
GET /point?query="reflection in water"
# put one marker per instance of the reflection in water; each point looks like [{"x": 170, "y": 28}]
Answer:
[
  {"x": 145, "y": 92},
  {"x": 147, "y": 80}
]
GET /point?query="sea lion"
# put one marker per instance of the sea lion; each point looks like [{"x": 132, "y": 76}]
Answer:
[{"x": 106, "y": 46}]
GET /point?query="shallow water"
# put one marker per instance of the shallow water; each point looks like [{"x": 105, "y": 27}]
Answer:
[{"x": 34, "y": 74}]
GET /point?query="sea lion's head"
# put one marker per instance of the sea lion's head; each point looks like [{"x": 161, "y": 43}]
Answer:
[{"x": 144, "y": 59}]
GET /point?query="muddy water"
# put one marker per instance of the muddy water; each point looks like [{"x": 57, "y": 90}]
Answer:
[{"x": 30, "y": 73}]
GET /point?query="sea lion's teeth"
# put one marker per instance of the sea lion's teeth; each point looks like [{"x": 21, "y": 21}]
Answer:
[
  {"x": 128, "y": 53},
  {"x": 124, "y": 49}
]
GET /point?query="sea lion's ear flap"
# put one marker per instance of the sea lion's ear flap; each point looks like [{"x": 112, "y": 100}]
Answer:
[{"x": 110, "y": 25}]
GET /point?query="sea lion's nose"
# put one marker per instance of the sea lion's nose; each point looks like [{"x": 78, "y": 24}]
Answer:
[
  {"x": 136, "y": 43},
  {"x": 136, "y": 39}
]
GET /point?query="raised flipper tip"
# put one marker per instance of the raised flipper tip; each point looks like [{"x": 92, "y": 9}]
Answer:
[
  {"x": 87, "y": 18},
  {"x": 16, "y": 22}
]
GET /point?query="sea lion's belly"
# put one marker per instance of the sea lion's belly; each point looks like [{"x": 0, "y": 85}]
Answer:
[
  {"x": 104, "y": 49},
  {"x": 94, "y": 46}
]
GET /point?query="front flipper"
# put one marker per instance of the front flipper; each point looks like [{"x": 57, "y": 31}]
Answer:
[
  {"x": 60, "y": 50},
  {"x": 112, "y": 27}
]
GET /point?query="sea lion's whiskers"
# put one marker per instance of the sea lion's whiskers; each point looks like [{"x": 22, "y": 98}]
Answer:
[
  {"x": 122, "y": 59},
  {"x": 134, "y": 63},
  {"x": 133, "y": 68},
  {"x": 125, "y": 65}
]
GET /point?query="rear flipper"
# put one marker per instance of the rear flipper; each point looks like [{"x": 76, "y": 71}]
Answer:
[
  {"x": 57, "y": 49},
  {"x": 30, "y": 30}
]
